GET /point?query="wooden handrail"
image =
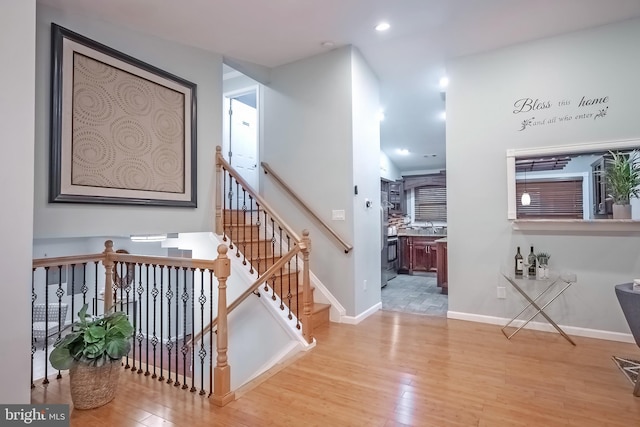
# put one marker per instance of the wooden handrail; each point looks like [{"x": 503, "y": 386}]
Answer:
[
  {"x": 267, "y": 169},
  {"x": 164, "y": 261},
  {"x": 270, "y": 271},
  {"x": 221, "y": 161},
  {"x": 66, "y": 260}
]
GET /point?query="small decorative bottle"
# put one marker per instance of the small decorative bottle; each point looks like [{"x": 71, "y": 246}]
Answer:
[
  {"x": 531, "y": 260},
  {"x": 518, "y": 263}
]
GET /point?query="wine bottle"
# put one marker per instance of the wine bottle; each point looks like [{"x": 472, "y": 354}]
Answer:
[
  {"x": 519, "y": 260},
  {"x": 531, "y": 260}
]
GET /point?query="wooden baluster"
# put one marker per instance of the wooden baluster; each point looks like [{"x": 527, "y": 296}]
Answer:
[
  {"x": 222, "y": 393},
  {"x": 219, "y": 227},
  {"x": 107, "y": 262},
  {"x": 307, "y": 326}
]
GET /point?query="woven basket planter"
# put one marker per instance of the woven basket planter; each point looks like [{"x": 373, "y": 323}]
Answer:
[{"x": 94, "y": 386}]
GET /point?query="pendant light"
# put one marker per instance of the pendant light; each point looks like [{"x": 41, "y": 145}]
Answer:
[{"x": 526, "y": 198}]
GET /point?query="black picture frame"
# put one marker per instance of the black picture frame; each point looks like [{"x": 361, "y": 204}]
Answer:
[{"x": 122, "y": 131}]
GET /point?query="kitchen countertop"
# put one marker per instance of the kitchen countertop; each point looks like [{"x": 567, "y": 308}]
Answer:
[
  {"x": 419, "y": 233},
  {"x": 443, "y": 240}
]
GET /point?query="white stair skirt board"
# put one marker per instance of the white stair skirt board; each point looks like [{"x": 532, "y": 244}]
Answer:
[
  {"x": 322, "y": 295},
  {"x": 543, "y": 326},
  {"x": 354, "y": 320}
]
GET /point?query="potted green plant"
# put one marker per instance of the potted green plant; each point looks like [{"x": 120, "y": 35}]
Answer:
[
  {"x": 622, "y": 177},
  {"x": 92, "y": 352},
  {"x": 543, "y": 265}
]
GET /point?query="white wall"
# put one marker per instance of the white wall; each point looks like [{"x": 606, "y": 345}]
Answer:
[
  {"x": 307, "y": 132},
  {"x": 366, "y": 175},
  {"x": 198, "y": 66},
  {"x": 482, "y": 125},
  {"x": 388, "y": 169},
  {"x": 17, "y": 47}
]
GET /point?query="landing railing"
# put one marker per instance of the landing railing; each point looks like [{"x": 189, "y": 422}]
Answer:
[
  {"x": 258, "y": 236},
  {"x": 166, "y": 299}
]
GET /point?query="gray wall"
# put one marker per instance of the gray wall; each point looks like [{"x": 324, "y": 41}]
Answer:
[
  {"x": 307, "y": 141},
  {"x": 312, "y": 131},
  {"x": 482, "y": 125},
  {"x": 201, "y": 67},
  {"x": 17, "y": 47}
]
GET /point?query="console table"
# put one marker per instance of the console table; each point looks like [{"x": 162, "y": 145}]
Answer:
[{"x": 555, "y": 286}]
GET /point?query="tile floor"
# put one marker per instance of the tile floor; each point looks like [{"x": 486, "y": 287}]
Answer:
[{"x": 414, "y": 294}]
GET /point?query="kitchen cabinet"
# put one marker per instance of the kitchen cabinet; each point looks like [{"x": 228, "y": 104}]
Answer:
[
  {"x": 442, "y": 278},
  {"x": 396, "y": 197},
  {"x": 418, "y": 253}
]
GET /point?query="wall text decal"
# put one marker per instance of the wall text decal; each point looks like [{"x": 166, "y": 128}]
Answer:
[{"x": 550, "y": 112}]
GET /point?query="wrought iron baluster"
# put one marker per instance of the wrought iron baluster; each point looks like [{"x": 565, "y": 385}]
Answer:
[
  {"x": 169, "y": 340},
  {"x": 59, "y": 293},
  {"x": 193, "y": 309},
  {"x": 252, "y": 244},
  {"x": 257, "y": 243},
  {"x": 202, "y": 353},
  {"x": 131, "y": 290},
  {"x": 238, "y": 224},
  {"x": 224, "y": 205},
  {"x": 146, "y": 302},
  {"x": 244, "y": 225},
  {"x": 73, "y": 291},
  {"x": 95, "y": 279},
  {"x": 185, "y": 348},
  {"x": 84, "y": 288},
  {"x": 162, "y": 271},
  {"x": 177, "y": 324},
  {"x": 210, "y": 334},
  {"x": 154, "y": 339},
  {"x": 137, "y": 312},
  {"x": 289, "y": 294},
  {"x": 46, "y": 323}
]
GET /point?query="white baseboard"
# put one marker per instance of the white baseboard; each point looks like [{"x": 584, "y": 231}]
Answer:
[
  {"x": 351, "y": 320},
  {"x": 545, "y": 327}
]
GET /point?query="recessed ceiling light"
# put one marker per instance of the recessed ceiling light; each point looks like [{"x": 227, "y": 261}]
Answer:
[
  {"x": 380, "y": 115},
  {"x": 383, "y": 26},
  {"x": 403, "y": 151},
  {"x": 444, "y": 82},
  {"x": 328, "y": 44},
  {"x": 443, "y": 115}
]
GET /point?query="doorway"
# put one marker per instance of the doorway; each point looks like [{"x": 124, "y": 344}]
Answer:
[{"x": 240, "y": 139}]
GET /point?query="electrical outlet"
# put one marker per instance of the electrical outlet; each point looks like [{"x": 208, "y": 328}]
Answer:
[
  {"x": 502, "y": 292},
  {"x": 364, "y": 285}
]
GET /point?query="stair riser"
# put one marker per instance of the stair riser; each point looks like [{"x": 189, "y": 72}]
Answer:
[
  {"x": 243, "y": 232},
  {"x": 240, "y": 217}
]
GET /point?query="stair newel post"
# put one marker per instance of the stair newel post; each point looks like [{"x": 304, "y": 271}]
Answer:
[
  {"x": 222, "y": 393},
  {"x": 307, "y": 326},
  {"x": 107, "y": 262},
  {"x": 219, "y": 190}
]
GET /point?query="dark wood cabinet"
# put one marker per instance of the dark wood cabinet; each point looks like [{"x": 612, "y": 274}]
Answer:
[
  {"x": 403, "y": 254},
  {"x": 418, "y": 253},
  {"x": 442, "y": 278}
]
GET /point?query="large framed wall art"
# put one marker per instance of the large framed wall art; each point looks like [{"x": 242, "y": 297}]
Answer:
[{"x": 122, "y": 131}]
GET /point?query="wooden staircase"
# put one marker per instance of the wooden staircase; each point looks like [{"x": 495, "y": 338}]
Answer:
[{"x": 259, "y": 251}]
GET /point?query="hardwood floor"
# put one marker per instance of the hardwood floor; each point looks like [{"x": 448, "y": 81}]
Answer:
[{"x": 397, "y": 369}]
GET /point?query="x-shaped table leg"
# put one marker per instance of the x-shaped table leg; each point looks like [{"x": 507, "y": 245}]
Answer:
[{"x": 540, "y": 310}]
